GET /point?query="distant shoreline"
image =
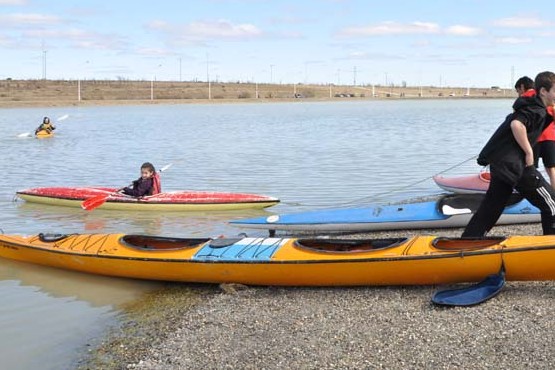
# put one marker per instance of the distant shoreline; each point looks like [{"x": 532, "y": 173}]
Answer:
[
  {"x": 90, "y": 103},
  {"x": 61, "y": 93}
]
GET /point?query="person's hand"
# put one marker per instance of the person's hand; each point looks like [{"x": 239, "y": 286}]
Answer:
[
  {"x": 530, "y": 178},
  {"x": 529, "y": 159}
]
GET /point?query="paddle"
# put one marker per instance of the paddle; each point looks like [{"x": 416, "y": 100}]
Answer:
[
  {"x": 472, "y": 295},
  {"x": 95, "y": 202},
  {"x": 28, "y": 134}
]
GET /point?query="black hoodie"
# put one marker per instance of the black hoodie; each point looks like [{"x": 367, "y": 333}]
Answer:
[{"x": 502, "y": 152}]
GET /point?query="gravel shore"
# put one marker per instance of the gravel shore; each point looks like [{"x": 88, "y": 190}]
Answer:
[{"x": 348, "y": 328}]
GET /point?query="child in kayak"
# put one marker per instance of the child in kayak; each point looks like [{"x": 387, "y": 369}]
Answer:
[
  {"x": 147, "y": 184},
  {"x": 46, "y": 125},
  {"x": 511, "y": 159}
]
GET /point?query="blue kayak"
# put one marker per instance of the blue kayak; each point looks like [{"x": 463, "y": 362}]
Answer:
[{"x": 448, "y": 211}]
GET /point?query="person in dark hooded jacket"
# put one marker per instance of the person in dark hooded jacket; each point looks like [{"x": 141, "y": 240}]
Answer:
[{"x": 511, "y": 159}]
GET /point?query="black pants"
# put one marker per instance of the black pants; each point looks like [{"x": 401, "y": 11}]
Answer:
[{"x": 532, "y": 186}]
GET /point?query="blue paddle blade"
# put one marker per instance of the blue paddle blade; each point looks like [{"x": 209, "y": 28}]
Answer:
[{"x": 472, "y": 295}]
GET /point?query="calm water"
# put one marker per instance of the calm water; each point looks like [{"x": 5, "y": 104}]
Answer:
[{"x": 310, "y": 155}]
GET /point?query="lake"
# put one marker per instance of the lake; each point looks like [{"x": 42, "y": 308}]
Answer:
[{"x": 309, "y": 154}]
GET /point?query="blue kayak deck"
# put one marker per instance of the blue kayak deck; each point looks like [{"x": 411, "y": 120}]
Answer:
[{"x": 423, "y": 212}]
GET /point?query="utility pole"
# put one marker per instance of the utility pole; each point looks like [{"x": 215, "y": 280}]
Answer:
[
  {"x": 208, "y": 77},
  {"x": 354, "y": 75},
  {"x": 43, "y": 61},
  {"x": 180, "y": 70},
  {"x": 271, "y": 73}
]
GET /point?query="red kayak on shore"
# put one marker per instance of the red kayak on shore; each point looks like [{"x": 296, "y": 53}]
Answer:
[
  {"x": 187, "y": 200},
  {"x": 469, "y": 184}
]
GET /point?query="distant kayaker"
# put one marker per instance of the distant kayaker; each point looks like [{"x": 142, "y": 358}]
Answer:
[
  {"x": 147, "y": 184},
  {"x": 46, "y": 125},
  {"x": 511, "y": 159}
]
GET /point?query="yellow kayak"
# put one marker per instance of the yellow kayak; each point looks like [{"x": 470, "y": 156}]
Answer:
[
  {"x": 43, "y": 134},
  {"x": 419, "y": 260}
]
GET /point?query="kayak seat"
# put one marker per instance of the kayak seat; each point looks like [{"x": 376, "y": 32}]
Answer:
[
  {"x": 159, "y": 243},
  {"x": 459, "y": 244},
  {"x": 348, "y": 245},
  {"x": 471, "y": 201}
]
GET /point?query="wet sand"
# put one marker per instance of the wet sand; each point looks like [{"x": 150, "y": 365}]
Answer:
[{"x": 206, "y": 326}]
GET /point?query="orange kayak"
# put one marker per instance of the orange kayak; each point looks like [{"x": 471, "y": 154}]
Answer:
[{"x": 418, "y": 260}]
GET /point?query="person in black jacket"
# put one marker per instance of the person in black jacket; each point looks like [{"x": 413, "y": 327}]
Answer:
[{"x": 511, "y": 159}]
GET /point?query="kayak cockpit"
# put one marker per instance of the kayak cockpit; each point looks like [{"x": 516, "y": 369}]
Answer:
[
  {"x": 461, "y": 244},
  {"x": 348, "y": 245},
  {"x": 157, "y": 243},
  {"x": 52, "y": 238}
]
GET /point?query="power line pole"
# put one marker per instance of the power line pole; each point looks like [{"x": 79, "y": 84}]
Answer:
[
  {"x": 208, "y": 77},
  {"x": 43, "y": 61},
  {"x": 354, "y": 75}
]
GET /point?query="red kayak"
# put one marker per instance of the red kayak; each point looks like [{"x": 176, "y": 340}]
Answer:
[
  {"x": 169, "y": 201},
  {"x": 470, "y": 184}
]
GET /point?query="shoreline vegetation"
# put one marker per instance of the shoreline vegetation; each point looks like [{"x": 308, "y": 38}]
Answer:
[{"x": 31, "y": 93}]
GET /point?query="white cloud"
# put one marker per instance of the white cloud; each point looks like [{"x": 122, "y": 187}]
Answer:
[
  {"x": 391, "y": 28},
  {"x": 546, "y": 53},
  {"x": 222, "y": 29},
  {"x": 364, "y": 55},
  {"x": 513, "y": 40},
  {"x": 5, "y": 41},
  {"x": 79, "y": 38},
  {"x": 459, "y": 30},
  {"x": 158, "y": 25},
  {"x": 25, "y": 19},
  {"x": 521, "y": 22},
  {"x": 155, "y": 52},
  {"x": 13, "y": 2},
  {"x": 207, "y": 31}
]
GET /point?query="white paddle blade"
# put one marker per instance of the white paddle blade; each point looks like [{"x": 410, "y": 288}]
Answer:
[
  {"x": 450, "y": 211},
  {"x": 64, "y": 117},
  {"x": 25, "y": 134},
  {"x": 166, "y": 167}
]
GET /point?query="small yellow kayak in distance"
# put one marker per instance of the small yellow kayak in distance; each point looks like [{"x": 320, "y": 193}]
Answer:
[{"x": 44, "y": 134}]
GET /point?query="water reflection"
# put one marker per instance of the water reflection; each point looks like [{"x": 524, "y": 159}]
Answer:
[{"x": 54, "y": 219}]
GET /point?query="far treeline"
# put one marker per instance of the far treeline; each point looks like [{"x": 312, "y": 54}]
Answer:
[{"x": 106, "y": 90}]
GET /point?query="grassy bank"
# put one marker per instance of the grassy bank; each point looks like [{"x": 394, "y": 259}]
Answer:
[{"x": 71, "y": 92}]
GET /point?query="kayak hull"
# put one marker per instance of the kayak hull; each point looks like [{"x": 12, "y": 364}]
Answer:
[
  {"x": 169, "y": 201},
  {"x": 470, "y": 184},
  {"x": 43, "y": 134},
  {"x": 291, "y": 262},
  {"x": 424, "y": 215}
]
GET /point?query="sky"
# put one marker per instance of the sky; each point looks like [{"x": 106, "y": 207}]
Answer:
[{"x": 463, "y": 43}]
